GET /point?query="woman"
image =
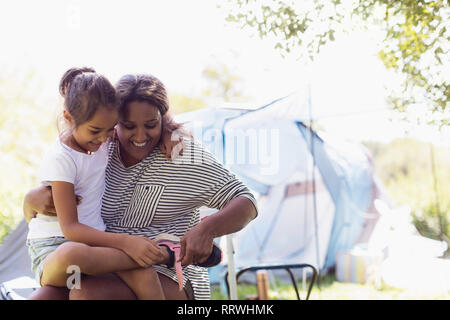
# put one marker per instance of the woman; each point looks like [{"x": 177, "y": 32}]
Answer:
[{"x": 147, "y": 195}]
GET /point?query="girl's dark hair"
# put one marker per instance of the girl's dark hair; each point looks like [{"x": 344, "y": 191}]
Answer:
[
  {"x": 145, "y": 87},
  {"x": 84, "y": 91}
]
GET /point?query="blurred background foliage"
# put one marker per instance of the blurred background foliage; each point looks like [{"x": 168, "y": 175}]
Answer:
[
  {"x": 417, "y": 174},
  {"x": 223, "y": 84},
  {"x": 25, "y": 130},
  {"x": 416, "y": 39}
]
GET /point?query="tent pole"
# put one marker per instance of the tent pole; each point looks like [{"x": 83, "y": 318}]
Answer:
[
  {"x": 230, "y": 250},
  {"x": 231, "y": 270},
  {"x": 316, "y": 226}
]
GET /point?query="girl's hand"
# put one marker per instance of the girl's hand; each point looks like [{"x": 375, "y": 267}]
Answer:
[
  {"x": 143, "y": 251},
  {"x": 196, "y": 246}
]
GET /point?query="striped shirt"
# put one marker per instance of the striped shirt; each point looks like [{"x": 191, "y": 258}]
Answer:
[{"x": 157, "y": 196}]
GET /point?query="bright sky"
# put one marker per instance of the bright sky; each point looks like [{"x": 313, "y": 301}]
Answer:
[{"x": 175, "y": 40}]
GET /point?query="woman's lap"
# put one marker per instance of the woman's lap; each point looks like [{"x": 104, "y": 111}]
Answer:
[
  {"x": 102, "y": 287},
  {"x": 111, "y": 287}
]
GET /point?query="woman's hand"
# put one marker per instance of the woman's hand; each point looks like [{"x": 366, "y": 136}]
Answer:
[
  {"x": 40, "y": 200},
  {"x": 172, "y": 144},
  {"x": 144, "y": 251},
  {"x": 196, "y": 245}
]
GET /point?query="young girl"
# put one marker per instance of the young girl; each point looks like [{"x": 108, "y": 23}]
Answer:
[{"x": 75, "y": 165}]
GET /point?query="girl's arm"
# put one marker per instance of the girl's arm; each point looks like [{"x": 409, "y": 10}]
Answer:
[{"x": 143, "y": 250}]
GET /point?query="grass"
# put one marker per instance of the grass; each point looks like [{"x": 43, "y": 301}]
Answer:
[{"x": 330, "y": 289}]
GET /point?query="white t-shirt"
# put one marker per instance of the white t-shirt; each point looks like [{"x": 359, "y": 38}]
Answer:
[{"x": 86, "y": 172}]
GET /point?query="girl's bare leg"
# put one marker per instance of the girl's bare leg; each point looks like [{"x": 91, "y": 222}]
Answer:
[
  {"x": 144, "y": 282},
  {"x": 90, "y": 261}
]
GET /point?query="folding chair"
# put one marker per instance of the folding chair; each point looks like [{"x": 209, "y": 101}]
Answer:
[{"x": 286, "y": 267}]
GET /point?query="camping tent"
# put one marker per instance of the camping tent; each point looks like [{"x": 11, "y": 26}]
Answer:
[
  {"x": 14, "y": 259},
  {"x": 317, "y": 195},
  {"x": 16, "y": 279},
  {"x": 314, "y": 193}
]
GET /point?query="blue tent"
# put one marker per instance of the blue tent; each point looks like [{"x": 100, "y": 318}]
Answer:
[{"x": 312, "y": 190}]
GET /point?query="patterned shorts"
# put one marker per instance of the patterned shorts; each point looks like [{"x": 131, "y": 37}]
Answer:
[{"x": 39, "y": 249}]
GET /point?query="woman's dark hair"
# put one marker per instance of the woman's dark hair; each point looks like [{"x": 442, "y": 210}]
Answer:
[
  {"x": 142, "y": 87},
  {"x": 145, "y": 87},
  {"x": 84, "y": 91}
]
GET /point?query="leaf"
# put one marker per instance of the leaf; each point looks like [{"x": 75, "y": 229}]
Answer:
[{"x": 331, "y": 35}]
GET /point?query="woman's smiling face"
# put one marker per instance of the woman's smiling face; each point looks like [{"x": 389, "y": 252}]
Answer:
[{"x": 139, "y": 131}]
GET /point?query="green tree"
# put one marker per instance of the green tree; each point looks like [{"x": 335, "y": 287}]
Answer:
[
  {"x": 417, "y": 174},
  {"x": 416, "y": 40},
  {"x": 223, "y": 83},
  {"x": 180, "y": 103},
  {"x": 27, "y": 127}
]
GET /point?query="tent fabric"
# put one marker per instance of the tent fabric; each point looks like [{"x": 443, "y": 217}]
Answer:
[
  {"x": 284, "y": 231},
  {"x": 207, "y": 124},
  {"x": 14, "y": 259},
  {"x": 271, "y": 158},
  {"x": 350, "y": 185}
]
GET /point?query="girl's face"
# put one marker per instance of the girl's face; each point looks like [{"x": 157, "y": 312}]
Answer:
[
  {"x": 139, "y": 131},
  {"x": 89, "y": 136}
]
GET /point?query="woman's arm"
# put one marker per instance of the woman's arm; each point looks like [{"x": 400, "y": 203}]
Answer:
[
  {"x": 219, "y": 189},
  {"x": 38, "y": 200},
  {"x": 196, "y": 245},
  {"x": 143, "y": 250}
]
